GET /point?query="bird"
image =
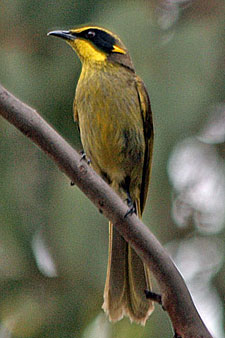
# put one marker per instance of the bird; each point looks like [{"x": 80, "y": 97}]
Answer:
[{"x": 113, "y": 112}]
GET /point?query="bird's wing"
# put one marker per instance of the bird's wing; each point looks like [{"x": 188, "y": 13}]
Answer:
[
  {"x": 149, "y": 136},
  {"x": 75, "y": 112}
]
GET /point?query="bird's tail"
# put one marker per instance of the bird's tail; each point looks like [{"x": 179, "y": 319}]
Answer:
[{"x": 127, "y": 278}]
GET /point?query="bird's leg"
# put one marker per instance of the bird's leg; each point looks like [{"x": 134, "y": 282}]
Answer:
[
  {"x": 125, "y": 185},
  {"x": 83, "y": 158}
]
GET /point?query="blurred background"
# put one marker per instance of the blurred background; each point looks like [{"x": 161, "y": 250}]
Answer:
[{"x": 53, "y": 242}]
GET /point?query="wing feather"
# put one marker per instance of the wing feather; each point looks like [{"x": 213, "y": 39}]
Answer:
[
  {"x": 75, "y": 112},
  {"x": 149, "y": 136}
]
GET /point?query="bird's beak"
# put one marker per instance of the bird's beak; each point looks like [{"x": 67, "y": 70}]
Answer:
[{"x": 67, "y": 35}]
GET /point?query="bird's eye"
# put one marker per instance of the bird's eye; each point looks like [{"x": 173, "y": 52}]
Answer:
[{"x": 90, "y": 34}]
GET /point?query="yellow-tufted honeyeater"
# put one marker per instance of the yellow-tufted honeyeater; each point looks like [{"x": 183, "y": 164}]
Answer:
[{"x": 112, "y": 109}]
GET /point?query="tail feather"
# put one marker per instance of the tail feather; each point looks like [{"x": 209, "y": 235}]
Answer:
[
  {"x": 139, "y": 308},
  {"x": 115, "y": 294},
  {"x": 127, "y": 278}
]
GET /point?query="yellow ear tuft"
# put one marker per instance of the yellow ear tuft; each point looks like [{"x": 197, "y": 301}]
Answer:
[{"x": 117, "y": 49}]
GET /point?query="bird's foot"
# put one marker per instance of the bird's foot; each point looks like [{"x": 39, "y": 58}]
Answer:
[
  {"x": 132, "y": 207},
  {"x": 84, "y": 157},
  {"x": 130, "y": 211}
]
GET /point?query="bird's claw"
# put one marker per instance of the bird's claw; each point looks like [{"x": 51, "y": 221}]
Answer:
[
  {"x": 131, "y": 211},
  {"x": 84, "y": 157},
  {"x": 132, "y": 207}
]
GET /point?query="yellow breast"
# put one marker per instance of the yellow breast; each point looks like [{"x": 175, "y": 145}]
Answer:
[{"x": 110, "y": 119}]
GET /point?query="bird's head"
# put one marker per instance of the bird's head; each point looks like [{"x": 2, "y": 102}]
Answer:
[{"x": 95, "y": 44}]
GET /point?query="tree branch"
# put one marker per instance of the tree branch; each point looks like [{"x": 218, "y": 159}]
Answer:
[{"x": 176, "y": 299}]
